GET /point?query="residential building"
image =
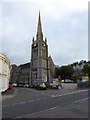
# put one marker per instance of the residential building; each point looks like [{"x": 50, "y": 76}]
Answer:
[
  {"x": 24, "y": 73},
  {"x": 14, "y": 73},
  {"x": 4, "y": 72}
]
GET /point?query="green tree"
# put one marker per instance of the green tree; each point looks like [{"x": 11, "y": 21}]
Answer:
[{"x": 66, "y": 72}]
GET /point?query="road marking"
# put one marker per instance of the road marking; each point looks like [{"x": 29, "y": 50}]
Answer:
[
  {"x": 15, "y": 104},
  {"x": 49, "y": 109},
  {"x": 53, "y": 95},
  {"x": 37, "y": 99},
  {"x": 31, "y": 101},
  {"x": 81, "y": 100},
  {"x": 53, "y": 108},
  {"x": 37, "y": 112},
  {"x": 47, "y": 97},
  {"x": 5, "y": 105},
  {"x": 72, "y": 92},
  {"x": 22, "y": 102}
]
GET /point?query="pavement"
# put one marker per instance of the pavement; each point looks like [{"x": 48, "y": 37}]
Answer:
[
  {"x": 9, "y": 93},
  {"x": 67, "y": 87}
]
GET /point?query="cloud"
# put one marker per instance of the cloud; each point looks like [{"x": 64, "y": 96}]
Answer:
[
  {"x": 0, "y": 28},
  {"x": 65, "y": 24}
]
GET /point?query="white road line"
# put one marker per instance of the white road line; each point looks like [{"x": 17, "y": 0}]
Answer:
[
  {"x": 36, "y": 112},
  {"x": 54, "y": 96},
  {"x": 53, "y": 108},
  {"x": 81, "y": 100},
  {"x": 5, "y": 105},
  {"x": 31, "y": 101},
  {"x": 22, "y": 102},
  {"x": 47, "y": 97},
  {"x": 49, "y": 109},
  {"x": 72, "y": 92}
]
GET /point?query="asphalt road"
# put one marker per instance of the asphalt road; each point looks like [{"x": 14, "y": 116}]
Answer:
[{"x": 29, "y": 103}]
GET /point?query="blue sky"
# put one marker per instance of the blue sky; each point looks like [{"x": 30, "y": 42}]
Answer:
[{"x": 64, "y": 23}]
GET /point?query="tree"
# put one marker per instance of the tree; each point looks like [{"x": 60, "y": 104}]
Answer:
[{"x": 66, "y": 72}]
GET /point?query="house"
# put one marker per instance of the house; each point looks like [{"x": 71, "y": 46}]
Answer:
[{"x": 4, "y": 72}]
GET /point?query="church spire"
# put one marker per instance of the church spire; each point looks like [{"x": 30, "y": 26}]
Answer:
[{"x": 39, "y": 27}]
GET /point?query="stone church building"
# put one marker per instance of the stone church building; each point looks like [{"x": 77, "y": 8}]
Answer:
[
  {"x": 41, "y": 68},
  {"x": 39, "y": 57}
]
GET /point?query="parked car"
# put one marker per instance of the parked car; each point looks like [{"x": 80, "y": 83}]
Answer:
[
  {"x": 53, "y": 85},
  {"x": 20, "y": 85},
  {"x": 68, "y": 81},
  {"x": 14, "y": 84},
  {"x": 26, "y": 85},
  {"x": 41, "y": 86},
  {"x": 35, "y": 84},
  {"x": 62, "y": 81},
  {"x": 31, "y": 86}
]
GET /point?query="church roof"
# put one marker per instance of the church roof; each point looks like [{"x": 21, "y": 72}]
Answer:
[{"x": 25, "y": 66}]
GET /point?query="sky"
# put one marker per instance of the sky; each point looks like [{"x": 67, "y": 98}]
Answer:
[{"x": 64, "y": 23}]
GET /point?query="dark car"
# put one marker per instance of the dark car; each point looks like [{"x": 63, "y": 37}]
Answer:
[
  {"x": 20, "y": 85},
  {"x": 31, "y": 86}
]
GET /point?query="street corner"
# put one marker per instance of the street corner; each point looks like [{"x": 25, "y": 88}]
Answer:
[{"x": 9, "y": 93}]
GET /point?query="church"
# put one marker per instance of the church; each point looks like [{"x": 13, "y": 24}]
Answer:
[{"x": 41, "y": 68}]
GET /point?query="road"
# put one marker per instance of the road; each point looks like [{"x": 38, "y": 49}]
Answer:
[{"x": 31, "y": 103}]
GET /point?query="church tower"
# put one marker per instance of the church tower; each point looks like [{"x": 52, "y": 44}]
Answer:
[{"x": 39, "y": 57}]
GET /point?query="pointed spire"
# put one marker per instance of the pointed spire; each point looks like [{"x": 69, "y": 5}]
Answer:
[{"x": 39, "y": 27}]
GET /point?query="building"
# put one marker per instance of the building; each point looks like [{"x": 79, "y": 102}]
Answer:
[
  {"x": 40, "y": 69},
  {"x": 14, "y": 73},
  {"x": 51, "y": 67},
  {"x": 24, "y": 73},
  {"x": 4, "y": 72}
]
